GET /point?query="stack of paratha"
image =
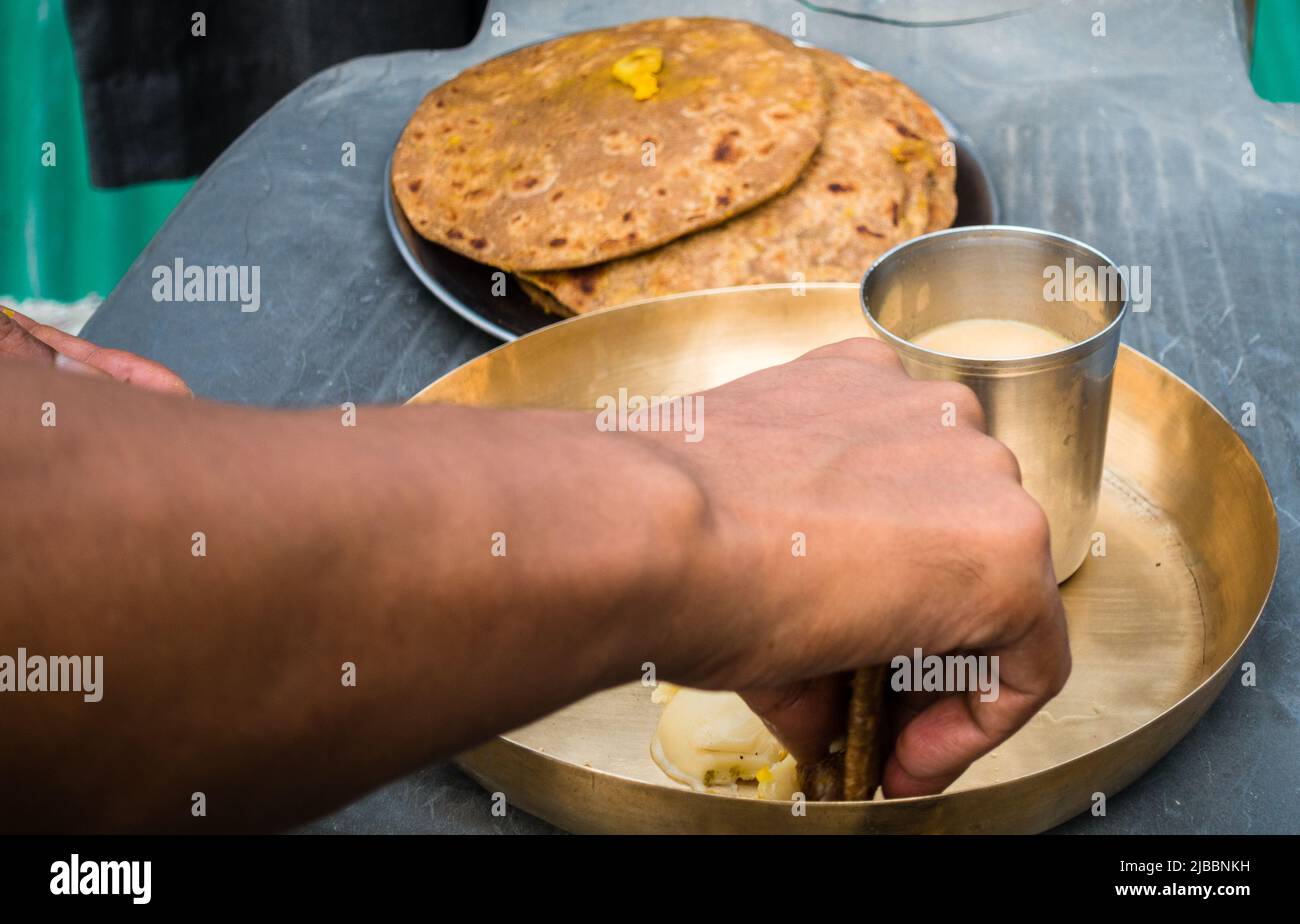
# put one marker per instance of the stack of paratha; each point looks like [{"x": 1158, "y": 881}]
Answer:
[{"x": 730, "y": 157}]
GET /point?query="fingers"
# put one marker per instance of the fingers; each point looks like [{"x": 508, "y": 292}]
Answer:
[
  {"x": 1020, "y": 623},
  {"x": 939, "y": 740},
  {"x": 927, "y": 541},
  {"x": 16, "y": 343},
  {"x": 958, "y": 398},
  {"x": 805, "y": 717},
  {"x": 940, "y": 399},
  {"x": 118, "y": 364}
]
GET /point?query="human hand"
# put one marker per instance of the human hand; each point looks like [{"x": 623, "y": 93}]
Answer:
[
  {"x": 23, "y": 338},
  {"x": 918, "y": 535}
]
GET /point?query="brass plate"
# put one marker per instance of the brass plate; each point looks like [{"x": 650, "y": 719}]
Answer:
[{"x": 1155, "y": 625}]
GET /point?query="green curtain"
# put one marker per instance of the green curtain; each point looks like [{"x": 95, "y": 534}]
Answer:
[
  {"x": 1275, "y": 69},
  {"x": 60, "y": 238}
]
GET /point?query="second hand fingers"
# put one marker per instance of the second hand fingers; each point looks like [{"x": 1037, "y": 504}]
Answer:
[
  {"x": 119, "y": 364},
  {"x": 16, "y": 342}
]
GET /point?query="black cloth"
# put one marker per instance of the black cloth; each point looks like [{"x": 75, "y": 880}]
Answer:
[{"x": 160, "y": 102}]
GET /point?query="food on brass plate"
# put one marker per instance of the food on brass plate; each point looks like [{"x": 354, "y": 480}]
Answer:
[
  {"x": 878, "y": 178},
  {"x": 605, "y": 143},
  {"x": 853, "y": 769},
  {"x": 709, "y": 739}
]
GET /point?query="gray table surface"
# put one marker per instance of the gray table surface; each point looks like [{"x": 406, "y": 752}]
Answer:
[{"x": 1132, "y": 141}]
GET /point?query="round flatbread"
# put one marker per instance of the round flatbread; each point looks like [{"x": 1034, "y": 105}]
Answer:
[
  {"x": 544, "y": 158},
  {"x": 883, "y": 174}
]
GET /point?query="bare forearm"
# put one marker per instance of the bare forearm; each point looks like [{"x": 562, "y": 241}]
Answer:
[{"x": 460, "y": 565}]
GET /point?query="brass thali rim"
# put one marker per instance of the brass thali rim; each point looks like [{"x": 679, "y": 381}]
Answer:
[
  {"x": 599, "y": 312},
  {"x": 1190, "y": 706}
]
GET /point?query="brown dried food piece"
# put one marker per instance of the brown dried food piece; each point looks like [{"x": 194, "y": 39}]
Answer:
[
  {"x": 865, "y": 746},
  {"x": 824, "y": 780},
  {"x": 853, "y": 773}
]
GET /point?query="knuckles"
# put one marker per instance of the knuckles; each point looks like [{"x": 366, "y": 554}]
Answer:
[
  {"x": 944, "y": 396},
  {"x": 860, "y": 349},
  {"x": 994, "y": 457},
  {"x": 1015, "y": 544},
  {"x": 1017, "y": 529}
]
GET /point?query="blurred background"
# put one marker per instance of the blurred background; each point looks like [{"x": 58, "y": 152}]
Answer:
[{"x": 110, "y": 108}]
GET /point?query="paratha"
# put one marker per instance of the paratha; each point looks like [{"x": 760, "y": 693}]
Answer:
[
  {"x": 543, "y": 158},
  {"x": 882, "y": 175}
]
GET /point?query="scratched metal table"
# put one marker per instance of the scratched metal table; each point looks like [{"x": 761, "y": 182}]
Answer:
[{"x": 1139, "y": 141}]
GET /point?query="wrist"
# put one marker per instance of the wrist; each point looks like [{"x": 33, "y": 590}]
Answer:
[
  {"x": 607, "y": 529},
  {"x": 702, "y": 568},
  {"x": 662, "y": 528}
]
